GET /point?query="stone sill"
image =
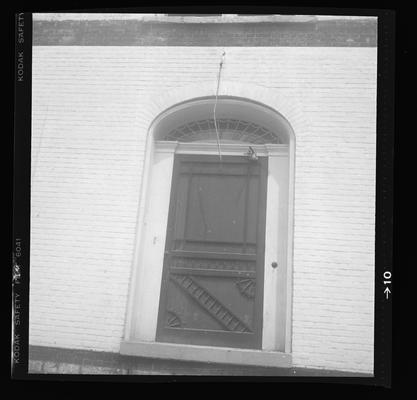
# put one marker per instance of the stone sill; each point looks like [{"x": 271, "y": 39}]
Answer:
[
  {"x": 220, "y": 355},
  {"x": 70, "y": 361}
]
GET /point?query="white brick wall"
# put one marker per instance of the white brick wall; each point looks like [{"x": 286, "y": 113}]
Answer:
[{"x": 87, "y": 156}]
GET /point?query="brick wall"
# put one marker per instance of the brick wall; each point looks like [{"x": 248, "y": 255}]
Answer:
[{"x": 87, "y": 155}]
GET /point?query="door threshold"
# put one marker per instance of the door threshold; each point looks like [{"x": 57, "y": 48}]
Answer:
[{"x": 220, "y": 355}]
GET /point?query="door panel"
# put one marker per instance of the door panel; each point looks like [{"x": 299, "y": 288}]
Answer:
[{"x": 212, "y": 285}]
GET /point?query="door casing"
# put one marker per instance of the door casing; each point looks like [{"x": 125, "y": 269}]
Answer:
[{"x": 276, "y": 332}]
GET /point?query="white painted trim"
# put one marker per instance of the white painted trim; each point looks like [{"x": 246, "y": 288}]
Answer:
[
  {"x": 226, "y": 148},
  {"x": 153, "y": 246},
  {"x": 162, "y": 146},
  {"x": 270, "y": 284},
  {"x": 276, "y": 239},
  {"x": 290, "y": 244},
  {"x": 222, "y": 355}
]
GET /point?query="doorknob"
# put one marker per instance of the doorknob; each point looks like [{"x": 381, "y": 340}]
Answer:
[{"x": 274, "y": 264}]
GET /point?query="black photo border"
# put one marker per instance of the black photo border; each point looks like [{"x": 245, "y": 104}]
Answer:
[{"x": 386, "y": 95}]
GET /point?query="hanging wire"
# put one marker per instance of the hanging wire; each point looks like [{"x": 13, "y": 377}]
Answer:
[{"x": 215, "y": 104}]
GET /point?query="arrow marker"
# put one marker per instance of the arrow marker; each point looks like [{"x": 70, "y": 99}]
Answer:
[{"x": 387, "y": 292}]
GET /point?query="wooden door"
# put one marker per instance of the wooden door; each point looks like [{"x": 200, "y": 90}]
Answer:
[{"x": 212, "y": 283}]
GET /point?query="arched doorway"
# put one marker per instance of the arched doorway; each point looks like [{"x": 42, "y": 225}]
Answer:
[{"x": 213, "y": 267}]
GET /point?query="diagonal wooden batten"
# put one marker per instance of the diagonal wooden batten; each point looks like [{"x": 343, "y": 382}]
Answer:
[{"x": 207, "y": 301}]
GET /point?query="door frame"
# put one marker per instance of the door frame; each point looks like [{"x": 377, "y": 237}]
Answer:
[
  {"x": 144, "y": 327},
  {"x": 131, "y": 343}
]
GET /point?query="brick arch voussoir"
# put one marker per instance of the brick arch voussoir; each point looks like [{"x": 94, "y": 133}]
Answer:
[{"x": 289, "y": 108}]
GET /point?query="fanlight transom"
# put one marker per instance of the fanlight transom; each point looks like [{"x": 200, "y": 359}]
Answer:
[{"x": 230, "y": 130}]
